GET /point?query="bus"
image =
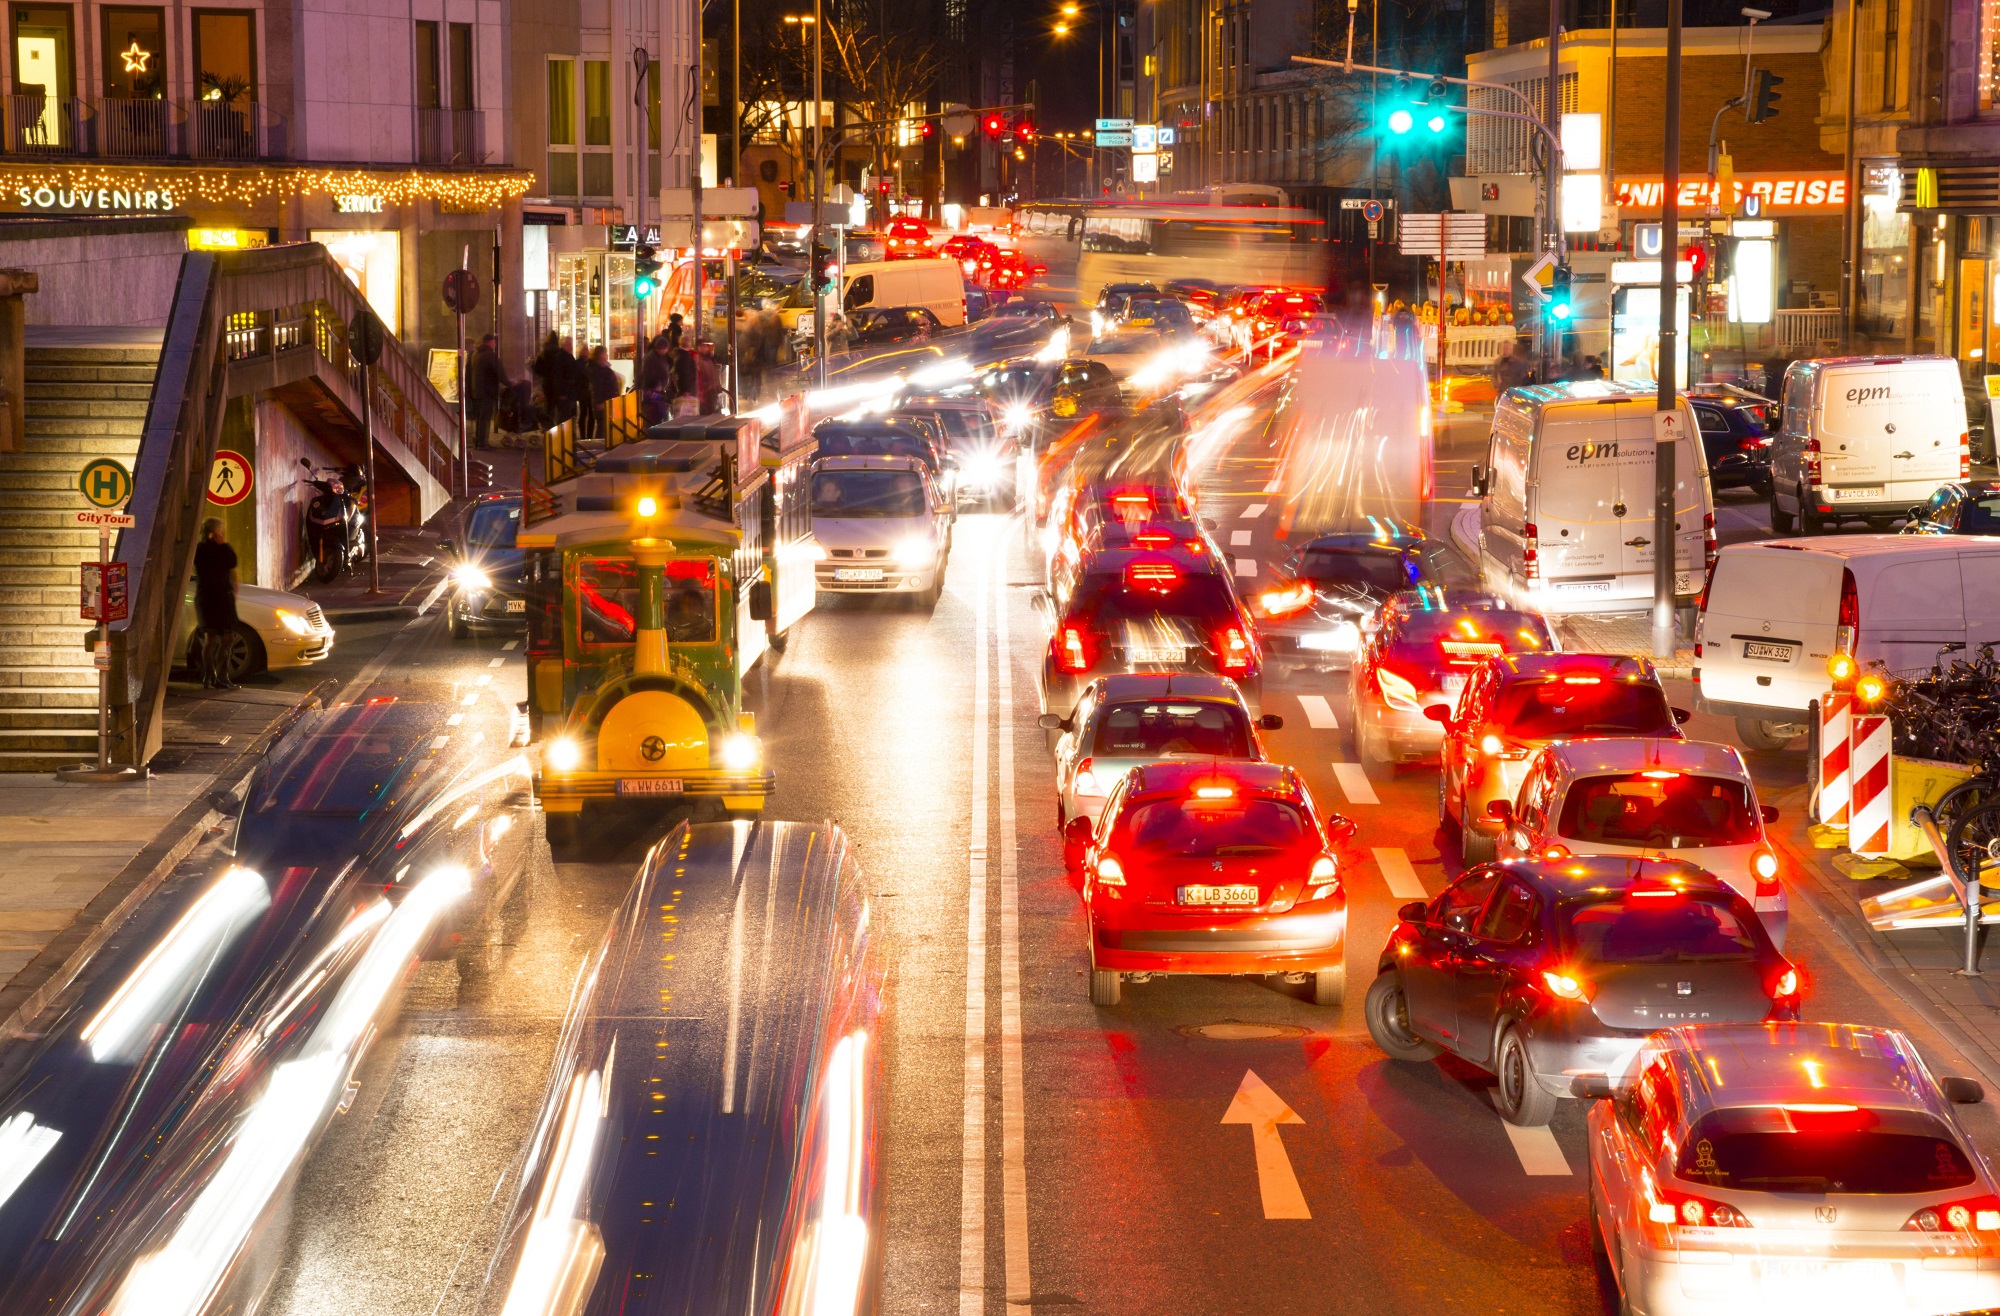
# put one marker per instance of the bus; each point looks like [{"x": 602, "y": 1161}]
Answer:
[{"x": 1244, "y": 245}]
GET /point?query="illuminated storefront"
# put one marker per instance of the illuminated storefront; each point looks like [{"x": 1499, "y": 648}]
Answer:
[{"x": 373, "y": 260}]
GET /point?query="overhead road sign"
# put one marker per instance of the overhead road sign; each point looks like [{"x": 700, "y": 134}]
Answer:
[
  {"x": 1114, "y": 125},
  {"x": 1105, "y": 138},
  {"x": 1443, "y": 237}
]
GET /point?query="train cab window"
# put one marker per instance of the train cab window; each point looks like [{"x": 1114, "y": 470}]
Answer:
[
  {"x": 607, "y": 600},
  {"x": 691, "y": 601}
]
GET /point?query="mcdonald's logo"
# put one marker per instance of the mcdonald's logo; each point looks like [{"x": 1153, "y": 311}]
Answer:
[{"x": 1926, "y": 189}]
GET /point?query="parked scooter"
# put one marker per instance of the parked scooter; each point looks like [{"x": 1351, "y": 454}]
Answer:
[{"x": 336, "y": 520}]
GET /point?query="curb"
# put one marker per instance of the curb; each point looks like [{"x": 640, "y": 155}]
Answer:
[
  {"x": 371, "y": 612},
  {"x": 72, "y": 949}
]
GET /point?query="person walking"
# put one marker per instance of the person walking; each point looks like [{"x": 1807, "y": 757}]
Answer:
[
  {"x": 656, "y": 382},
  {"x": 588, "y": 418},
  {"x": 707, "y": 380},
  {"x": 605, "y": 383},
  {"x": 554, "y": 368},
  {"x": 215, "y": 603},
  {"x": 486, "y": 380}
]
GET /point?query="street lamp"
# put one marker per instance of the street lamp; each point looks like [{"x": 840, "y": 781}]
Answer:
[{"x": 818, "y": 200}]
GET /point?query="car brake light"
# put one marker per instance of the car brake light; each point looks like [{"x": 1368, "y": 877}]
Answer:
[
  {"x": 1491, "y": 744},
  {"x": 1811, "y": 459},
  {"x": 1152, "y": 573},
  {"x": 1285, "y": 602},
  {"x": 1324, "y": 870},
  {"x": 1664, "y": 1206},
  {"x": 1660, "y": 774},
  {"x": 1710, "y": 550},
  {"x": 1847, "y": 625},
  {"x": 1531, "y": 553},
  {"x": 1086, "y": 780},
  {"x": 1965, "y": 456},
  {"x": 1153, "y": 539},
  {"x": 1232, "y": 650},
  {"x": 1981, "y": 1213},
  {"x": 1583, "y": 680},
  {"x": 1764, "y": 868},
  {"x": 1214, "y": 793},
  {"x": 1110, "y": 872},
  {"x": 1397, "y": 690},
  {"x": 1786, "y": 985},
  {"x": 1071, "y": 655},
  {"x": 1568, "y": 986}
]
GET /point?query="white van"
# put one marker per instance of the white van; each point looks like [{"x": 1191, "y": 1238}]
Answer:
[
  {"x": 1566, "y": 500},
  {"x": 1776, "y": 609},
  {"x": 1866, "y": 437},
  {"x": 936, "y": 285}
]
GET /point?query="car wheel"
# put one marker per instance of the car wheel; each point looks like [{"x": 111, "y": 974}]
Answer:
[
  {"x": 1756, "y": 733},
  {"x": 1810, "y": 522},
  {"x": 1389, "y": 1021},
  {"x": 1881, "y": 525},
  {"x": 1476, "y": 847},
  {"x": 1782, "y": 522},
  {"x": 1452, "y": 824},
  {"x": 245, "y": 652},
  {"x": 459, "y": 630},
  {"x": 1106, "y": 986},
  {"x": 1522, "y": 1099},
  {"x": 1330, "y": 985},
  {"x": 1607, "y": 1265}
]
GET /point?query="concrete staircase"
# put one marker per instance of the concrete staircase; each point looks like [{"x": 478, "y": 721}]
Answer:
[{"x": 84, "y": 400}]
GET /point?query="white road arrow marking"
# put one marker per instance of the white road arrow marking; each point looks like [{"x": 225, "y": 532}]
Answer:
[
  {"x": 1400, "y": 875},
  {"x": 1264, "y": 1110},
  {"x": 1319, "y": 713}
]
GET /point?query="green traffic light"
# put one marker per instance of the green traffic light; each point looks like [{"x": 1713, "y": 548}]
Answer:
[
  {"x": 1400, "y": 121},
  {"x": 1435, "y": 123},
  {"x": 1559, "y": 311}
]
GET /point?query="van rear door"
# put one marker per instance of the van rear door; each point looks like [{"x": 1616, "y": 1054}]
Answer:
[
  {"x": 1769, "y": 626},
  {"x": 1636, "y": 492},
  {"x": 1892, "y": 427},
  {"x": 1579, "y": 511}
]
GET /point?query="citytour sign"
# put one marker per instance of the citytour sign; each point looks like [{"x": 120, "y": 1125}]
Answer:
[{"x": 1796, "y": 194}]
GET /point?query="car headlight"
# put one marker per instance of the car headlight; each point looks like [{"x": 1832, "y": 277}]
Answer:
[
  {"x": 563, "y": 754},
  {"x": 739, "y": 752},
  {"x": 467, "y": 576},
  {"x": 294, "y": 623},
  {"x": 818, "y": 553},
  {"x": 915, "y": 552},
  {"x": 1018, "y": 418},
  {"x": 983, "y": 468}
]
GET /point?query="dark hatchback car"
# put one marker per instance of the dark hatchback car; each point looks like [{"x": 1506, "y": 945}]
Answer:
[
  {"x": 1540, "y": 972},
  {"x": 489, "y": 574},
  {"x": 1735, "y": 438},
  {"x": 1329, "y": 589},
  {"x": 892, "y": 324},
  {"x": 1964, "y": 507}
]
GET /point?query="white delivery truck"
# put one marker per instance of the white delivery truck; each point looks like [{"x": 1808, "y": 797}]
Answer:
[
  {"x": 1866, "y": 438},
  {"x": 1777, "y": 609},
  {"x": 1566, "y": 500}
]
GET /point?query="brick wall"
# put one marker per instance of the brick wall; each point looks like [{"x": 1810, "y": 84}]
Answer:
[{"x": 1788, "y": 142}]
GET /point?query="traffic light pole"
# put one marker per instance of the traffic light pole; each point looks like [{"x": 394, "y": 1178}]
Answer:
[{"x": 1666, "y": 538}]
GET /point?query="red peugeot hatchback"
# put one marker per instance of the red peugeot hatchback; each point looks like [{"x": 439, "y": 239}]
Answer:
[{"x": 1213, "y": 867}]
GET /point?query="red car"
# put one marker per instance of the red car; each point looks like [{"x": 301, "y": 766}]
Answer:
[
  {"x": 906, "y": 239},
  {"x": 1014, "y": 271},
  {"x": 1264, "y": 324},
  {"x": 975, "y": 256},
  {"x": 1213, "y": 867}
]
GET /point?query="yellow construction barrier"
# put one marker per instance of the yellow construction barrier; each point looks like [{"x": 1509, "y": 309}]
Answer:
[{"x": 1914, "y": 781}]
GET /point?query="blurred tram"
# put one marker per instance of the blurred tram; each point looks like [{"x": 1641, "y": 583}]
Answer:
[
  {"x": 708, "y": 1139},
  {"x": 1251, "y": 246},
  {"x": 1352, "y": 433}
]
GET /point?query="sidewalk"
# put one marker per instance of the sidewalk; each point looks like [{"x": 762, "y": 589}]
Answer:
[{"x": 81, "y": 858}]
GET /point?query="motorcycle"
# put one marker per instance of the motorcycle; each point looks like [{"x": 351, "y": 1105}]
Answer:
[{"x": 336, "y": 520}]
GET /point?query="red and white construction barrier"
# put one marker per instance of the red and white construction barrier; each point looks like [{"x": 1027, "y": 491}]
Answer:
[
  {"x": 1834, "y": 792},
  {"x": 1868, "y": 773}
]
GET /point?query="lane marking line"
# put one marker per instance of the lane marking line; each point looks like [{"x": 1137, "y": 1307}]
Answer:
[
  {"x": 454, "y": 719},
  {"x": 972, "y": 1148},
  {"x": 1539, "y": 1152},
  {"x": 511, "y": 645},
  {"x": 1238, "y": 538},
  {"x": 497, "y": 662},
  {"x": 484, "y": 680},
  {"x": 1013, "y": 1087},
  {"x": 1319, "y": 716},
  {"x": 1246, "y": 566},
  {"x": 1253, "y": 511},
  {"x": 439, "y": 742},
  {"x": 1397, "y": 872},
  {"x": 471, "y": 698},
  {"x": 1271, "y": 488},
  {"x": 1354, "y": 784}
]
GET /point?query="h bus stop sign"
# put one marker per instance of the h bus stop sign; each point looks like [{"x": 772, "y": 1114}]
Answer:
[{"x": 461, "y": 291}]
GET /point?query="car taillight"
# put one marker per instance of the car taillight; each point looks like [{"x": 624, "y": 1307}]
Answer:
[
  {"x": 1109, "y": 871},
  {"x": 1710, "y": 550},
  {"x": 1974, "y": 1213},
  {"x": 1764, "y": 868},
  {"x": 1494, "y": 747},
  {"x": 1397, "y": 690},
  {"x": 1232, "y": 650},
  {"x": 1664, "y": 1206},
  {"x": 1554, "y": 854},
  {"x": 1566, "y": 985},
  {"x": 1531, "y": 553},
  {"x": 1086, "y": 780},
  {"x": 1847, "y": 624},
  {"x": 1324, "y": 870},
  {"x": 1287, "y": 602},
  {"x": 1785, "y": 984},
  {"x": 1811, "y": 459},
  {"x": 1072, "y": 654},
  {"x": 1965, "y": 456}
]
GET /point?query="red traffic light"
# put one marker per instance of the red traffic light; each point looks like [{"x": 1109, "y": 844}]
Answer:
[
  {"x": 994, "y": 123},
  {"x": 1697, "y": 259},
  {"x": 929, "y": 130},
  {"x": 1024, "y": 130}
]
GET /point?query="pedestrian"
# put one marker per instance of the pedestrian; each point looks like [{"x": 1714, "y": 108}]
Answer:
[
  {"x": 554, "y": 368},
  {"x": 605, "y": 383},
  {"x": 839, "y": 334},
  {"x": 675, "y": 331},
  {"x": 683, "y": 398},
  {"x": 1593, "y": 368},
  {"x": 656, "y": 382},
  {"x": 1511, "y": 370},
  {"x": 485, "y": 381},
  {"x": 707, "y": 380},
  {"x": 215, "y": 603},
  {"x": 588, "y": 418}
]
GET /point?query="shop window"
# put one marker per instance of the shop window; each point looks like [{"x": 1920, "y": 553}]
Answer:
[
  {"x": 43, "y": 73},
  {"x": 373, "y": 263},
  {"x": 135, "y": 54},
  {"x": 430, "y": 66},
  {"x": 225, "y": 57},
  {"x": 1989, "y": 53},
  {"x": 1882, "y": 306},
  {"x": 461, "y": 67}
]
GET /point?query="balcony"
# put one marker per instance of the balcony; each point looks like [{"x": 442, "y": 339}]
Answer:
[
  {"x": 447, "y": 136},
  {"x": 122, "y": 128}
]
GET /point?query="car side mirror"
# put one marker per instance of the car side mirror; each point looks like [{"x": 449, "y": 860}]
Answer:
[
  {"x": 1592, "y": 1087},
  {"x": 1501, "y": 809},
  {"x": 1681, "y": 716},
  {"x": 1079, "y": 831},
  {"x": 448, "y": 547},
  {"x": 1961, "y": 1091},
  {"x": 1769, "y": 813},
  {"x": 1438, "y": 712},
  {"x": 1271, "y": 722},
  {"x": 1051, "y": 722},
  {"x": 760, "y": 600},
  {"x": 306, "y": 462},
  {"x": 1413, "y": 912},
  {"x": 1476, "y": 486},
  {"x": 1916, "y": 514},
  {"x": 223, "y": 802}
]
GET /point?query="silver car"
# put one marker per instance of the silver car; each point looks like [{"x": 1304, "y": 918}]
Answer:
[
  {"x": 879, "y": 527},
  {"x": 1790, "y": 1168},
  {"x": 1128, "y": 721}
]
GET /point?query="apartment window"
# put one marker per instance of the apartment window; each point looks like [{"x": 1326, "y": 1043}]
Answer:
[
  {"x": 430, "y": 73},
  {"x": 1892, "y": 22},
  {"x": 135, "y": 44},
  {"x": 225, "y": 56},
  {"x": 562, "y": 127},
  {"x": 43, "y": 47},
  {"x": 597, "y": 126},
  {"x": 461, "y": 66}
]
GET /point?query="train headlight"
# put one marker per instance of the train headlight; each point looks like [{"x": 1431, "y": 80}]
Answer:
[
  {"x": 739, "y": 752},
  {"x": 564, "y": 754}
]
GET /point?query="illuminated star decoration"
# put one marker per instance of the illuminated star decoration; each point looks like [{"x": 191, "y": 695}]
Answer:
[{"x": 135, "y": 58}]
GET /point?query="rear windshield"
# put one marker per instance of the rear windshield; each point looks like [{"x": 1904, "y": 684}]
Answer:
[
  {"x": 1678, "y": 811},
  {"x": 1670, "y": 928},
  {"x": 1979, "y": 516},
  {"x": 1183, "y": 829},
  {"x": 1583, "y": 706},
  {"x": 1777, "y": 1150},
  {"x": 1157, "y": 729},
  {"x": 868, "y": 494},
  {"x": 1377, "y": 570},
  {"x": 1203, "y": 599}
]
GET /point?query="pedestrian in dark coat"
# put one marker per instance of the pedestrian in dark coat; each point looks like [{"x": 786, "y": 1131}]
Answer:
[
  {"x": 215, "y": 603},
  {"x": 486, "y": 380}
]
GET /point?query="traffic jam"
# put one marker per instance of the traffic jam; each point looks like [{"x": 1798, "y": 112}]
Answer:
[{"x": 898, "y": 834}]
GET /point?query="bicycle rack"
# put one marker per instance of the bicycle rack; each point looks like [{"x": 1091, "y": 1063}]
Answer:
[{"x": 1938, "y": 902}]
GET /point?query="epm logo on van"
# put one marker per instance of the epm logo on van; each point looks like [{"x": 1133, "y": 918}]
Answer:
[
  {"x": 1581, "y": 453},
  {"x": 1876, "y": 394}
]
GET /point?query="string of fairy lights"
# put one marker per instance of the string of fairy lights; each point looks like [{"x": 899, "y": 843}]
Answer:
[{"x": 245, "y": 186}]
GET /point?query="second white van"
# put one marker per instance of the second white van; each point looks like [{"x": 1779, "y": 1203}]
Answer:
[
  {"x": 1566, "y": 500},
  {"x": 936, "y": 285},
  {"x": 1777, "y": 609},
  {"x": 1866, "y": 438}
]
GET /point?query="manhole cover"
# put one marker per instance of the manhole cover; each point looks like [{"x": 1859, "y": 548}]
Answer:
[{"x": 1231, "y": 1031}]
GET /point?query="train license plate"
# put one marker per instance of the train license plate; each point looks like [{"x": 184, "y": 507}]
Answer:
[
  {"x": 651, "y": 786},
  {"x": 517, "y": 605},
  {"x": 858, "y": 573},
  {"x": 1770, "y": 653},
  {"x": 1238, "y": 894},
  {"x": 1857, "y": 493}
]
